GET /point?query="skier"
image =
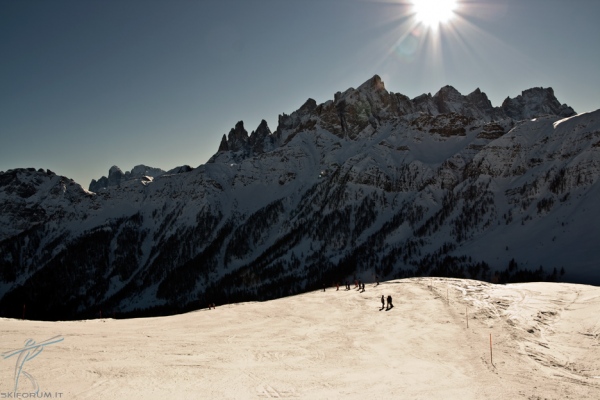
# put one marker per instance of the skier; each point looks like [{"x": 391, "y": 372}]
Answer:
[
  {"x": 382, "y": 302},
  {"x": 389, "y": 301}
]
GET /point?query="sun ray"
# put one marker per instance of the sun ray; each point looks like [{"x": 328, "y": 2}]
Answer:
[
  {"x": 407, "y": 48},
  {"x": 433, "y": 13}
]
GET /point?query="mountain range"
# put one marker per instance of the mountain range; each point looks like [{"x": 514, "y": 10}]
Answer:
[{"x": 370, "y": 185}]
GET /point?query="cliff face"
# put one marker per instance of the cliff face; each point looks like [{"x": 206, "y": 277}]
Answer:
[{"x": 369, "y": 183}]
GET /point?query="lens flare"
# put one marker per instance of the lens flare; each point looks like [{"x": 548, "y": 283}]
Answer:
[{"x": 433, "y": 13}]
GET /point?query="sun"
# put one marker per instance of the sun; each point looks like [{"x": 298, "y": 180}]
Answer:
[{"x": 433, "y": 13}]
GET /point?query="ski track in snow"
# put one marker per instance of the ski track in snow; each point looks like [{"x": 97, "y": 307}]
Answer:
[{"x": 333, "y": 344}]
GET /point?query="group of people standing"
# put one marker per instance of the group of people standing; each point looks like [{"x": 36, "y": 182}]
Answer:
[
  {"x": 385, "y": 303},
  {"x": 357, "y": 284},
  {"x": 389, "y": 303}
]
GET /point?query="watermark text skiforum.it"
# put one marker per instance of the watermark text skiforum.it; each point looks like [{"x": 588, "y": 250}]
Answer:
[{"x": 25, "y": 354}]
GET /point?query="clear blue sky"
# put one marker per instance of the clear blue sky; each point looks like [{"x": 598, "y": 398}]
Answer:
[{"x": 85, "y": 85}]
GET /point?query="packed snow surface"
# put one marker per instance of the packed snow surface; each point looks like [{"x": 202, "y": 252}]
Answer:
[{"x": 543, "y": 337}]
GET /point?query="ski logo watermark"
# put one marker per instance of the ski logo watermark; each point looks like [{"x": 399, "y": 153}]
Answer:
[{"x": 28, "y": 352}]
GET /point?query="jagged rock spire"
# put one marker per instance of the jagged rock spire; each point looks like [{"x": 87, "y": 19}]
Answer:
[
  {"x": 354, "y": 111},
  {"x": 223, "y": 146},
  {"x": 239, "y": 140}
]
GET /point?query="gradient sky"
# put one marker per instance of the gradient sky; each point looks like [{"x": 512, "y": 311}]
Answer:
[{"x": 85, "y": 85}]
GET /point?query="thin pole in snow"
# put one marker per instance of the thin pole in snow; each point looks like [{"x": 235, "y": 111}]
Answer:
[{"x": 467, "y": 314}]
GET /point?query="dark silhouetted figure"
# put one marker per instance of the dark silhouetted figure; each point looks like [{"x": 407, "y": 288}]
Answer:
[
  {"x": 382, "y": 302},
  {"x": 389, "y": 303}
]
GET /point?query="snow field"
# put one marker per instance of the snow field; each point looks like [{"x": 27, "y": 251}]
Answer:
[{"x": 332, "y": 344}]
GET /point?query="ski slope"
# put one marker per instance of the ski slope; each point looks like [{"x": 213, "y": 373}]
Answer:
[{"x": 332, "y": 344}]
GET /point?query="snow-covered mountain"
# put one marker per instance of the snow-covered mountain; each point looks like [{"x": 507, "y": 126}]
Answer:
[{"x": 369, "y": 183}]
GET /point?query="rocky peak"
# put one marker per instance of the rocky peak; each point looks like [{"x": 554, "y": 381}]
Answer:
[
  {"x": 238, "y": 139},
  {"x": 448, "y": 100},
  {"x": 474, "y": 105},
  {"x": 535, "y": 102},
  {"x": 299, "y": 119},
  {"x": 308, "y": 106},
  {"x": 114, "y": 170},
  {"x": 480, "y": 100},
  {"x": 180, "y": 170},
  {"x": 258, "y": 137},
  {"x": 238, "y": 133},
  {"x": 425, "y": 104},
  {"x": 448, "y": 93},
  {"x": 223, "y": 146},
  {"x": 144, "y": 170},
  {"x": 29, "y": 197},
  {"x": 375, "y": 84},
  {"x": 116, "y": 176},
  {"x": 356, "y": 111},
  {"x": 262, "y": 130}
]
